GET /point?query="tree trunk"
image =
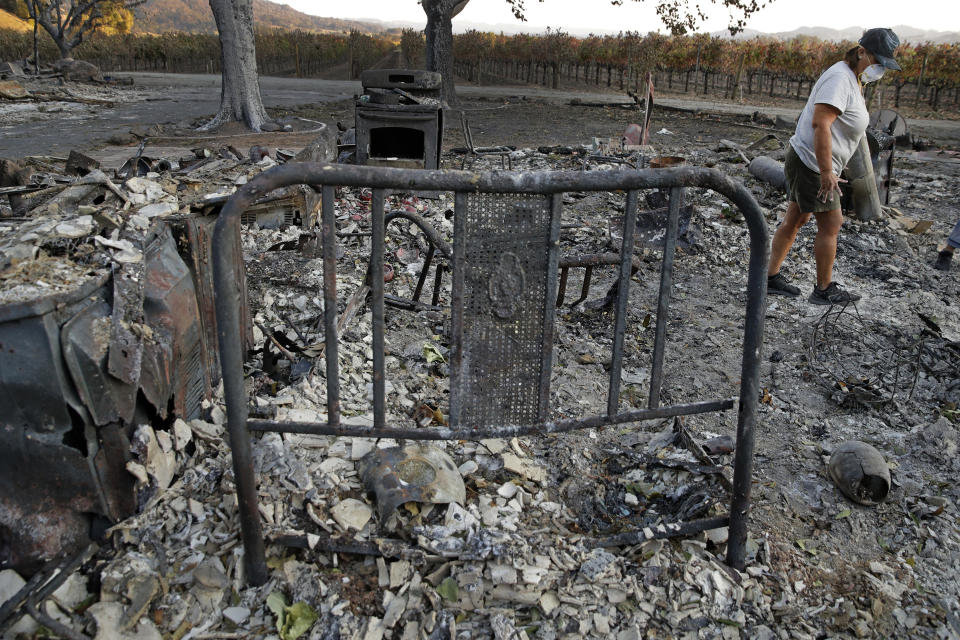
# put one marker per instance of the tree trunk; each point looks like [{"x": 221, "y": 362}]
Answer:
[
  {"x": 439, "y": 45},
  {"x": 36, "y": 45},
  {"x": 239, "y": 86}
]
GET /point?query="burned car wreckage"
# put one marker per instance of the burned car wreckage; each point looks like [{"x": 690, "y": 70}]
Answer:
[{"x": 93, "y": 345}]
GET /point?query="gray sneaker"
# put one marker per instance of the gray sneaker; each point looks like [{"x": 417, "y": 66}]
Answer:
[
  {"x": 778, "y": 285},
  {"x": 943, "y": 261},
  {"x": 832, "y": 294}
]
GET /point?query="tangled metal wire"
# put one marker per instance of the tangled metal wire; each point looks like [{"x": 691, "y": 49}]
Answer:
[{"x": 860, "y": 364}]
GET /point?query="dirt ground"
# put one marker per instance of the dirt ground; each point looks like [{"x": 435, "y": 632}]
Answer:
[{"x": 825, "y": 566}]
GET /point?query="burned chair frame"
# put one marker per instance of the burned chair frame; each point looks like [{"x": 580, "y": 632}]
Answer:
[
  {"x": 549, "y": 186},
  {"x": 437, "y": 247}
]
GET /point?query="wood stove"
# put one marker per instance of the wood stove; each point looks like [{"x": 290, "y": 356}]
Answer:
[{"x": 399, "y": 119}]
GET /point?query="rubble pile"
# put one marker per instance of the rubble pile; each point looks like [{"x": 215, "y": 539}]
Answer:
[
  {"x": 506, "y": 561},
  {"x": 522, "y": 555},
  {"x": 66, "y": 89}
]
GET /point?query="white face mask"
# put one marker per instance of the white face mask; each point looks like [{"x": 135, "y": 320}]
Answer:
[{"x": 872, "y": 73}]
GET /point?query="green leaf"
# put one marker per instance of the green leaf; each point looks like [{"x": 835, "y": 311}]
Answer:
[
  {"x": 808, "y": 545},
  {"x": 432, "y": 353},
  {"x": 292, "y": 620},
  {"x": 449, "y": 590},
  {"x": 842, "y": 514},
  {"x": 300, "y": 617},
  {"x": 277, "y": 603}
]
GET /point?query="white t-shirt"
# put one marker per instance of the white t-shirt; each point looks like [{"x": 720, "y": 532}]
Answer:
[{"x": 837, "y": 86}]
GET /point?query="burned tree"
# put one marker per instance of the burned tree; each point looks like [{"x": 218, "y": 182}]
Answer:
[
  {"x": 240, "y": 99},
  {"x": 439, "y": 32},
  {"x": 69, "y": 21}
]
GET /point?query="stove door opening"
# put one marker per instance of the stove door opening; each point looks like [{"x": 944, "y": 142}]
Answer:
[{"x": 396, "y": 142}]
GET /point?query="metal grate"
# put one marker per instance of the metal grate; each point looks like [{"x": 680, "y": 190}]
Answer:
[
  {"x": 196, "y": 383},
  {"x": 506, "y": 269}
]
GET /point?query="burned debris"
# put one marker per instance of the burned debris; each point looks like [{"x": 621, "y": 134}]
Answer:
[
  {"x": 507, "y": 533},
  {"x": 107, "y": 323}
]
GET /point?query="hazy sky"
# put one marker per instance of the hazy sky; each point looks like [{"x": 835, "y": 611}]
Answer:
[{"x": 585, "y": 15}]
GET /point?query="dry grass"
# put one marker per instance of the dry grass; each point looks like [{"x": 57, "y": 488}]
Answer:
[{"x": 10, "y": 21}]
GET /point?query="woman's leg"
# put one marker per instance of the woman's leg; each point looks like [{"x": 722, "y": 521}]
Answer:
[
  {"x": 946, "y": 255},
  {"x": 825, "y": 245},
  {"x": 954, "y": 240},
  {"x": 785, "y": 235}
]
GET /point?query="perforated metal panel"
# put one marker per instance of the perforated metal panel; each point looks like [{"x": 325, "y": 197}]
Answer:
[{"x": 505, "y": 260}]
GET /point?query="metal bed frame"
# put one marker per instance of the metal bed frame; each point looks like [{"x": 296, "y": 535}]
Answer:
[{"x": 483, "y": 201}]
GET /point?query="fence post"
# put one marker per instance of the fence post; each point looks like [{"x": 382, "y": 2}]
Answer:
[{"x": 923, "y": 70}]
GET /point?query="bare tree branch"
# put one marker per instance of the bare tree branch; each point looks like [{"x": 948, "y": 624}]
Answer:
[{"x": 69, "y": 24}]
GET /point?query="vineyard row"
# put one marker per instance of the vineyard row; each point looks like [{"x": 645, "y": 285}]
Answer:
[{"x": 700, "y": 63}]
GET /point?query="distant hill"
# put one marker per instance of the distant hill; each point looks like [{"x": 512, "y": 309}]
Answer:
[
  {"x": 907, "y": 34},
  {"x": 194, "y": 16},
  {"x": 10, "y": 21}
]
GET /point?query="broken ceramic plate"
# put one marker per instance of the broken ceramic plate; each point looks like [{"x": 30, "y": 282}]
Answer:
[
  {"x": 860, "y": 472},
  {"x": 415, "y": 473}
]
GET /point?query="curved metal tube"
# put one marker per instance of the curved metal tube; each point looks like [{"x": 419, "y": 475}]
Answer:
[
  {"x": 428, "y": 230},
  {"x": 488, "y": 181},
  {"x": 541, "y": 182}
]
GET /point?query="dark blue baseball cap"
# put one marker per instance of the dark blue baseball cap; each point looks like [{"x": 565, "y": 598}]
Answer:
[{"x": 881, "y": 43}]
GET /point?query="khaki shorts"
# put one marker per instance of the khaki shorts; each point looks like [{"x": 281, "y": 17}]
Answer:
[{"x": 803, "y": 184}]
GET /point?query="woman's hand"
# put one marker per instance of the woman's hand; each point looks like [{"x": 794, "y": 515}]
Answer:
[{"x": 829, "y": 182}]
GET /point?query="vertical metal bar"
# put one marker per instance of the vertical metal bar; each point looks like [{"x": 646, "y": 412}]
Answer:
[
  {"x": 456, "y": 304},
  {"x": 376, "y": 290},
  {"x": 229, "y": 337},
  {"x": 562, "y": 287},
  {"x": 328, "y": 230},
  {"x": 663, "y": 299},
  {"x": 749, "y": 390},
  {"x": 427, "y": 261},
  {"x": 587, "y": 279},
  {"x": 550, "y": 308},
  {"x": 437, "y": 281},
  {"x": 623, "y": 296}
]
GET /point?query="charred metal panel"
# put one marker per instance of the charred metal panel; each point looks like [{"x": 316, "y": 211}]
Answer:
[
  {"x": 194, "y": 235},
  {"x": 126, "y": 346},
  {"x": 110, "y": 464},
  {"x": 47, "y": 494},
  {"x": 416, "y": 81},
  {"x": 279, "y": 209},
  {"x": 881, "y": 153},
  {"x": 71, "y": 367},
  {"x": 508, "y": 275},
  {"x": 35, "y": 389},
  {"x": 175, "y": 355},
  {"x": 86, "y": 342},
  {"x": 47, "y": 490},
  {"x": 295, "y": 205}
]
